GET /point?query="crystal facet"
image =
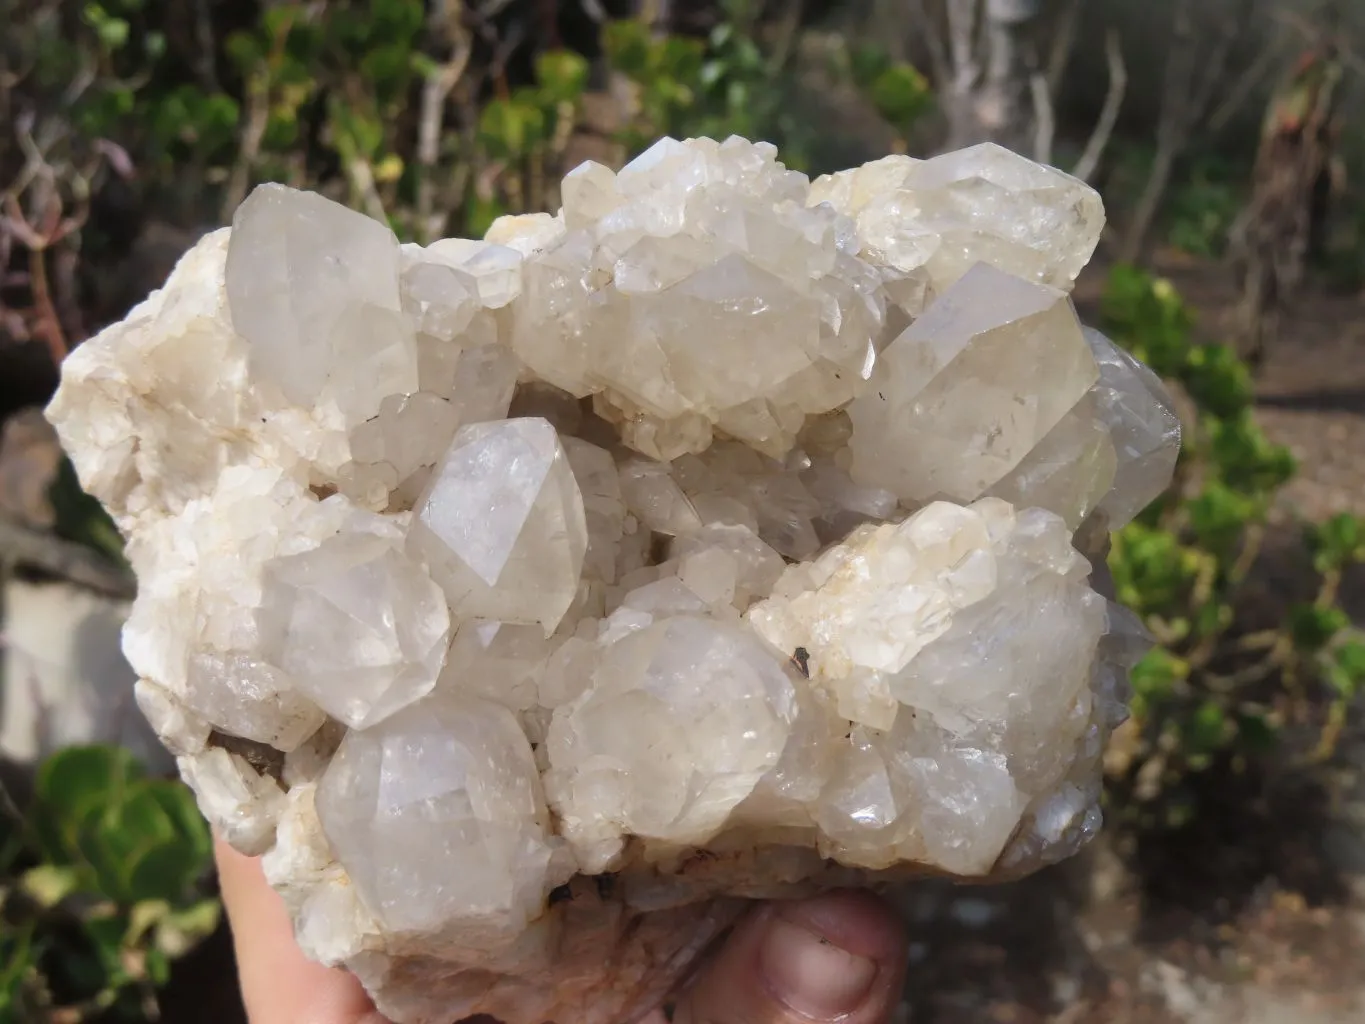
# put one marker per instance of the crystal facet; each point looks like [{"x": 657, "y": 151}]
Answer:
[
  {"x": 501, "y": 524},
  {"x": 969, "y": 389},
  {"x": 446, "y": 782}
]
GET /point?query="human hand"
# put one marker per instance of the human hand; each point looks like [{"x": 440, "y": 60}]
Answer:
[{"x": 840, "y": 956}]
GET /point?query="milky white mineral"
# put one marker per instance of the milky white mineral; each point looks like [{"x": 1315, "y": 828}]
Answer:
[{"x": 531, "y": 602}]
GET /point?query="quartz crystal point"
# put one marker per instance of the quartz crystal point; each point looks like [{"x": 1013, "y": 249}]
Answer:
[
  {"x": 529, "y": 602},
  {"x": 437, "y": 817},
  {"x": 1139, "y": 415},
  {"x": 359, "y": 627},
  {"x": 970, "y": 388},
  {"x": 313, "y": 288},
  {"x": 502, "y": 524},
  {"x": 694, "y": 291},
  {"x": 939, "y": 217}
]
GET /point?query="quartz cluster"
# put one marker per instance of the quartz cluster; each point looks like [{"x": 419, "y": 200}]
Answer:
[{"x": 530, "y": 601}]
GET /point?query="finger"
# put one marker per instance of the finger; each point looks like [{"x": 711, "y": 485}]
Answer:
[
  {"x": 279, "y": 984},
  {"x": 840, "y": 956}
]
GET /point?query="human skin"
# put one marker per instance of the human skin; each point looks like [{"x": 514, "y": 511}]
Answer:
[{"x": 836, "y": 957}]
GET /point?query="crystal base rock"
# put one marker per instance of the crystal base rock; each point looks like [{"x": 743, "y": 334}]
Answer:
[{"x": 724, "y": 535}]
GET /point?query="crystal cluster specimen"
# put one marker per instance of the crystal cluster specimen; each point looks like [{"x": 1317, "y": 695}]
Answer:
[{"x": 531, "y": 602}]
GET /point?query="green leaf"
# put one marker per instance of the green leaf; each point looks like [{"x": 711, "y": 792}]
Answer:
[
  {"x": 1146, "y": 315},
  {"x": 628, "y": 46},
  {"x": 1243, "y": 457},
  {"x": 1256, "y": 732},
  {"x": 901, "y": 94},
  {"x": 244, "y": 50},
  {"x": 1312, "y": 628},
  {"x": 141, "y": 819},
  {"x": 510, "y": 128},
  {"x": 423, "y": 65},
  {"x": 182, "y": 929},
  {"x": 1207, "y": 730},
  {"x": 142, "y": 917},
  {"x": 562, "y": 76},
  {"x": 72, "y": 779},
  {"x": 386, "y": 68},
  {"x": 1156, "y": 675},
  {"x": 481, "y": 213},
  {"x": 1346, "y": 670},
  {"x": 866, "y": 64},
  {"x": 49, "y": 884},
  {"x": 1219, "y": 517},
  {"x": 680, "y": 59},
  {"x": 111, "y": 31},
  {"x": 177, "y": 800},
  {"x": 279, "y": 19},
  {"x": 1218, "y": 380},
  {"x": 164, "y": 872},
  {"x": 157, "y": 965},
  {"x": 1338, "y": 542}
]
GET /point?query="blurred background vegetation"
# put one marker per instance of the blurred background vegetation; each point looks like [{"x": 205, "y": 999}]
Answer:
[{"x": 1226, "y": 138}]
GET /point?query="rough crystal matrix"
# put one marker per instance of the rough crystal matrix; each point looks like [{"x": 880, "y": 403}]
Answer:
[{"x": 723, "y": 535}]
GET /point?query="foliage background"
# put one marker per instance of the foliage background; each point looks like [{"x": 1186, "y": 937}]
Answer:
[{"x": 133, "y": 125}]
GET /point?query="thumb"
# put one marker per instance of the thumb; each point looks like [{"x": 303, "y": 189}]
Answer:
[{"x": 840, "y": 956}]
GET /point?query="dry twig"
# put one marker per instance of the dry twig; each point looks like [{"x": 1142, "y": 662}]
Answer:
[
  {"x": 1109, "y": 113},
  {"x": 38, "y": 549},
  {"x": 436, "y": 91}
]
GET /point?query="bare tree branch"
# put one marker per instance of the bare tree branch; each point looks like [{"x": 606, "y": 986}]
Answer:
[
  {"x": 1247, "y": 83},
  {"x": 594, "y": 10},
  {"x": 784, "y": 41},
  {"x": 203, "y": 37},
  {"x": 938, "y": 53},
  {"x": 1195, "y": 70},
  {"x": 1063, "y": 44},
  {"x": 435, "y": 91},
  {"x": 1044, "y": 118},
  {"x": 1215, "y": 61},
  {"x": 1109, "y": 113},
  {"x": 38, "y": 549},
  {"x": 253, "y": 134},
  {"x": 962, "y": 45}
]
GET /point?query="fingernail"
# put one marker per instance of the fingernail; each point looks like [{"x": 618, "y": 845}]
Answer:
[{"x": 810, "y": 974}]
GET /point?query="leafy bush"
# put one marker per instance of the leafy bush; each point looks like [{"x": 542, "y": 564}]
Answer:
[
  {"x": 1202, "y": 209},
  {"x": 1218, "y": 687},
  {"x": 1201, "y": 204},
  {"x": 102, "y": 886},
  {"x": 420, "y": 117},
  {"x": 898, "y": 91}
]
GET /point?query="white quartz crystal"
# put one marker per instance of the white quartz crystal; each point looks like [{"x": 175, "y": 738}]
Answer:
[
  {"x": 313, "y": 289},
  {"x": 1140, "y": 416},
  {"x": 449, "y": 779},
  {"x": 981, "y": 204},
  {"x": 356, "y": 625},
  {"x": 970, "y": 388},
  {"x": 501, "y": 524},
  {"x": 526, "y": 601}
]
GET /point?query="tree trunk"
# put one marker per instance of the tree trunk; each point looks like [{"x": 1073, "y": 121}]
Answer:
[
  {"x": 1274, "y": 235},
  {"x": 990, "y": 102}
]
